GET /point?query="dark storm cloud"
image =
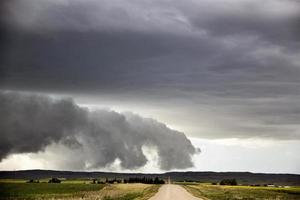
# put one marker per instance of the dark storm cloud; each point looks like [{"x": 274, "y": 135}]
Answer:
[
  {"x": 241, "y": 55},
  {"x": 273, "y": 21},
  {"x": 30, "y": 123}
]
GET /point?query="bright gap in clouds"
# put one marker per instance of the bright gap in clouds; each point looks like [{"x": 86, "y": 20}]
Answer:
[{"x": 254, "y": 155}]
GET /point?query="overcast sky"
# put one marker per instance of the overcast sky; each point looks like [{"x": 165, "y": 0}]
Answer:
[{"x": 226, "y": 73}]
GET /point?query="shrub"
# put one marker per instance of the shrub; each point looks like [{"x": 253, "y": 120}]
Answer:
[
  {"x": 54, "y": 180},
  {"x": 228, "y": 182},
  {"x": 33, "y": 181}
]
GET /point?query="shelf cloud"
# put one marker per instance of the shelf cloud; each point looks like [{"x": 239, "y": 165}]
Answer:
[{"x": 30, "y": 123}]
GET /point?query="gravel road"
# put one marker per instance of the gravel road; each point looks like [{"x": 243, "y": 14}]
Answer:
[{"x": 173, "y": 192}]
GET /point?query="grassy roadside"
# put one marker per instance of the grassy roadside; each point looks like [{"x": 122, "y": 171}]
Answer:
[
  {"x": 217, "y": 192},
  {"x": 149, "y": 192},
  {"x": 195, "y": 192}
]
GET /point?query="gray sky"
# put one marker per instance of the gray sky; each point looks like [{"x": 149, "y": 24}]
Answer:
[{"x": 214, "y": 70}]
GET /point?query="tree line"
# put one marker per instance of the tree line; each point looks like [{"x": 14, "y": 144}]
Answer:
[{"x": 145, "y": 180}]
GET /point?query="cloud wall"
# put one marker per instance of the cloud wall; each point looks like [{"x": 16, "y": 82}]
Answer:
[{"x": 30, "y": 123}]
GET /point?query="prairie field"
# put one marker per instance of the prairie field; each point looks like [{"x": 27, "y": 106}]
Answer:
[
  {"x": 74, "y": 189},
  {"x": 218, "y": 192}
]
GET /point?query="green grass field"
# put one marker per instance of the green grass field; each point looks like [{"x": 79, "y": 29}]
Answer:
[
  {"x": 18, "y": 189},
  {"x": 217, "y": 192},
  {"x": 74, "y": 189}
]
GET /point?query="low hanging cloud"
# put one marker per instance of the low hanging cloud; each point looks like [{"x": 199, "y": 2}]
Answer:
[{"x": 31, "y": 123}]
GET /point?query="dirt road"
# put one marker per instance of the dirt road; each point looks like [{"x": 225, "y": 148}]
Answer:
[{"x": 173, "y": 192}]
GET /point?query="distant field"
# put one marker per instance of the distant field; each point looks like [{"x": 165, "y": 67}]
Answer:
[
  {"x": 45, "y": 190},
  {"x": 217, "y": 192},
  {"x": 74, "y": 189}
]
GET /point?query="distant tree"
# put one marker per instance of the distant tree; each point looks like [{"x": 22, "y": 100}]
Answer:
[
  {"x": 100, "y": 182},
  {"x": 54, "y": 180},
  {"x": 233, "y": 182},
  {"x": 111, "y": 181},
  {"x": 228, "y": 182},
  {"x": 33, "y": 181}
]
